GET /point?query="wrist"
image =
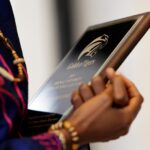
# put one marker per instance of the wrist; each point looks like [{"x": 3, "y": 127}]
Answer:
[
  {"x": 63, "y": 137},
  {"x": 67, "y": 135},
  {"x": 81, "y": 128}
]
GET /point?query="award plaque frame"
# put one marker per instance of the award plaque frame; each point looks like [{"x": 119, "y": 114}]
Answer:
[{"x": 101, "y": 46}]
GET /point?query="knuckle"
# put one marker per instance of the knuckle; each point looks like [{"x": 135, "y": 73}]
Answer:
[
  {"x": 132, "y": 83},
  {"x": 141, "y": 98},
  {"x": 75, "y": 98},
  {"x": 82, "y": 87}
]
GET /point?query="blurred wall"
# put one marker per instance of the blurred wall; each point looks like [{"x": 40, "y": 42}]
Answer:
[
  {"x": 37, "y": 28},
  {"x": 136, "y": 67}
]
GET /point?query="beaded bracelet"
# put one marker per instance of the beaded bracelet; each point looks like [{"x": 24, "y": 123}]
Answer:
[
  {"x": 61, "y": 138},
  {"x": 71, "y": 130}
]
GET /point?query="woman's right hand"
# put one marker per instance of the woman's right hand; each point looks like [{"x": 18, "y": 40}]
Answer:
[{"x": 97, "y": 119}]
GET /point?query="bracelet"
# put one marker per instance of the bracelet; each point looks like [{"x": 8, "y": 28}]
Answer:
[
  {"x": 61, "y": 138},
  {"x": 72, "y": 132}
]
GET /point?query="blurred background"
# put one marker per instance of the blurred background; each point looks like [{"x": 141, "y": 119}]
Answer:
[{"x": 49, "y": 28}]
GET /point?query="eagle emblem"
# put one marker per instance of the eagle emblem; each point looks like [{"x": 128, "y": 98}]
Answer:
[{"x": 93, "y": 47}]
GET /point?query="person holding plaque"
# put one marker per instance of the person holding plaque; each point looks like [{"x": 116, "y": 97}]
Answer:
[{"x": 102, "y": 111}]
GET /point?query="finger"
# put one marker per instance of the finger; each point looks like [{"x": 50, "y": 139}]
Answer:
[
  {"x": 132, "y": 89},
  {"x": 119, "y": 91},
  {"x": 135, "y": 96},
  {"x": 133, "y": 108},
  {"x": 110, "y": 73},
  {"x": 136, "y": 99},
  {"x": 97, "y": 84},
  {"x": 109, "y": 90},
  {"x": 85, "y": 92},
  {"x": 76, "y": 99},
  {"x": 119, "y": 88}
]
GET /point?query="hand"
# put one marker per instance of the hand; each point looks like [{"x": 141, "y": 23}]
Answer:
[
  {"x": 97, "y": 119},
  {"x": 87, "y": 91}
]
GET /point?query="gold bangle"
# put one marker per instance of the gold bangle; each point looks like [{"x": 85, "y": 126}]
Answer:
[
  {"x": 71, "y": 130},
  {"x": 73, "y": 133}
]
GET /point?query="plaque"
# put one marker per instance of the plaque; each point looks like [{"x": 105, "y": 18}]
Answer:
[{"x": 101, "y": 46}]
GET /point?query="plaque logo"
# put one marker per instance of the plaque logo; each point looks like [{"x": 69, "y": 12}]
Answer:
[{"x": 93, "y": 47}]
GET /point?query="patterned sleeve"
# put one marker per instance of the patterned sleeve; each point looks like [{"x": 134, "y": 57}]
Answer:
[
  {"x": 43, "y": 141},
  {"x": 12, "y": 111},
  {"x": 14, "y": 96}
]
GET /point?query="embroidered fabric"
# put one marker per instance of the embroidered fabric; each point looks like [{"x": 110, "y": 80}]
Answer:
[{"x": 14, "y": 96}]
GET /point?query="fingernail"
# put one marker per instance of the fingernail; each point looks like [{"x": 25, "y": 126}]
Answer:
[{"x": 110, "y": 71}]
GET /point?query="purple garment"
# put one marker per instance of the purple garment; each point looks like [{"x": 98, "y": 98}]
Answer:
[{"x": 14, "y": 96}]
